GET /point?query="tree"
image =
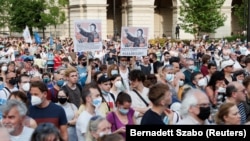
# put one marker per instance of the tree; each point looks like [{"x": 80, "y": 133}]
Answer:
[
  {"x": 55, "y": 14},
  {"x": 4, "y": 17},
  {"x": 201, "y": 16},
  {"x": 241, "y": 12}
]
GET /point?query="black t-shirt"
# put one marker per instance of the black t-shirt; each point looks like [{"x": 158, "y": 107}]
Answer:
[{"x": 151, "y": 118}]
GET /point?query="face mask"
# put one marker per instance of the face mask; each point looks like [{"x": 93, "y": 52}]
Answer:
[
  {"x": 204, "y": 113},
  {"x": 103, "y": 133},
  {"x": 97, "y": 102},
  {"x": 60, "y": 83},
  {"x": 181, "y": 83},
  {"x": 119, "y": 85},
  {"x": 114, "y": 72},
  {"x": 170, "y": 77},
  {"x": 26, "y": 87},
  {"x": 1, "y": 85},
  {"x": 123, "y": 111},
  {"x": 104, "y": 92},
  {"x": 35, "y": 100},
  {"x": 226, "y": 57},
  {"x": 12, "y": 81},
  {"x": 84, "y": 64},
  {"x": 221, "y": 90},
  {"x": 165, "y": 120},
  {"x": 201, "y": 83},
  {"x": 62, "y": 100},
  {"x": 191, "y": 67},
  {"x": 46, "y": 80},
  {"x": 4, "y": 68}
]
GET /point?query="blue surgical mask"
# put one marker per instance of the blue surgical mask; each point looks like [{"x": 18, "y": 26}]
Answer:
[
  {"x": 1, "y": 86},
  {"x": 46, "y": 80},
  {"x": 60, "y": 83},
  {"x": 123, "y": 111},
  {"x": 114, "y": 72},
  {"x": 97, "y": 102},
  {"x": 169, "y": 77},
  {"x": 104, "y": 92}
]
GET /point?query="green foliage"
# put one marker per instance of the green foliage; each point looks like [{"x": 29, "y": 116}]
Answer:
[
  {"x": 240, "y": 11},
  {"x": 198, "y": 16},
  {"x": 33, "y": 13},
  {"x": 234, "y": 37}
]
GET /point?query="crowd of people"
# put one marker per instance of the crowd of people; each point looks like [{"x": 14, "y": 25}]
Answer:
[{"x": 53, "y": 93}]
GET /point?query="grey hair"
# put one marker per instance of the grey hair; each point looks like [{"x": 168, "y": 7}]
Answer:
[
  {"x": 93, "y": 126},
  {"x": 189, "y": 100},
  {"x": 21, "y": 107}
]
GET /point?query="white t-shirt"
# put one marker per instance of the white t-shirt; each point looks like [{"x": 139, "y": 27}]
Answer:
[
  {"x": 82, "y": 124},
  {"x": 24, "y": 136}
]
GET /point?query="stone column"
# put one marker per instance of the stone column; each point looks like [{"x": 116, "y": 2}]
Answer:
[{"x": 141, "y": 14}]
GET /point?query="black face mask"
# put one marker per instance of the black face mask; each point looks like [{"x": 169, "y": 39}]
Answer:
[
  {"x": 62, "y": 100},
  {"x": 204, "y": 113},
  {"x": 96, "y": 65},
  {"x": 84, "y": 64},
  {"x": 12, "y": 81},
  {"x": 151, "y": 60}
]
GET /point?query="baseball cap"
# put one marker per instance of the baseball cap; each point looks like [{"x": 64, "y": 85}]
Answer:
[
  {"x": 227, "y": 63},
  {"x": 102, "y": 79}
]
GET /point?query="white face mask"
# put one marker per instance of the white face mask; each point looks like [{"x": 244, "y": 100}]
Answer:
[
  {"x": 103, "y": 133},
  {"x": 35, "y": 100},
  {"x": 26, "y": 87},
  {"x": 191, "y": 67},
  {"x": 114, "y": 72},
  {"x": 201, "y": 83},
  {"x": 226, "y": 57},
  {"x": 4, "y": 68},
  {"x": 181, "y": 83},
  {"x": 169, "y": 77},
  {"x": 221, "y": 90},
  {"x": 119, "y": 85}
]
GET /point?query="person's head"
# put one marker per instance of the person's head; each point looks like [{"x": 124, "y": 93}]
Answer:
[
  {"x": 38, "y": 91},
  {"x": 196, "y": 78},
  {"x": 239, "y": 75},
  {"x": 91, "y": 95},
  {"x": 19, "y": 95},
  {"x": 104, "y": 69},
  {"x": 123, "y": 60},
  {"x": 117, "y": 82},
  {"x": 58, "y": 79},
  {"x": 228, "y": 114},
  {"x": 205, "y": 58},
  {"x": 139, "y": 32},
  {"x": 11, "y": 66},
  {"x": 71, "y": 75},
  {"x": 217, "y": 80},
  {"x": 82, "y": 60},
  {"x": 236, "y": 92},
  {"x": 92, "y": 27},
  {"x": 176, "y": 67},
  {"x": 167, "y": 56},
  {"x": 150, "y": 80},
  {"x": 196, "y": 104},
  {"x": 11, "y": 78},
  {"x": 97, "y": 127},
  {"x": 167, "y": 73},
  {"x": 136, "y": 78},
  {"x": 123, "y": 103},
  {"x": 160, "y": 96},
  {"x": 211, "y": 67},
  {"x": 112, "y": 70},
  {"x": 46, "y": 132},
  {"x": 24, "y": 82},
  {"x": 104, "y": 84},
  {"x": 62, "y": 96},
  {"x": 190, "y": 64},
  {"x": 246, "y": 83},
  {"x": 65, "y": 62},
  {"x": 14, "y": 112},
  {"x": 97, "y": 75},
  {"x": 46, "y": 76},
  {"x": 111, "y": 137},
  {"x": 227, "y": 66},
  {"x": 181, "y": 77}
]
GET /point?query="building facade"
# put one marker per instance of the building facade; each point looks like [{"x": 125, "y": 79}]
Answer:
[{"x": 160, "y": 16}]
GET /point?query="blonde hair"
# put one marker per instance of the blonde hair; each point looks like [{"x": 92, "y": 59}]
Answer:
[{"x": 69, "y": 70}]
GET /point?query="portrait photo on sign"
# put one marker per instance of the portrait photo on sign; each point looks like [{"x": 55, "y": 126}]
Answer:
[
  {"x": 87, "y": 35},
  {"x": 134, "y": 37}
]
